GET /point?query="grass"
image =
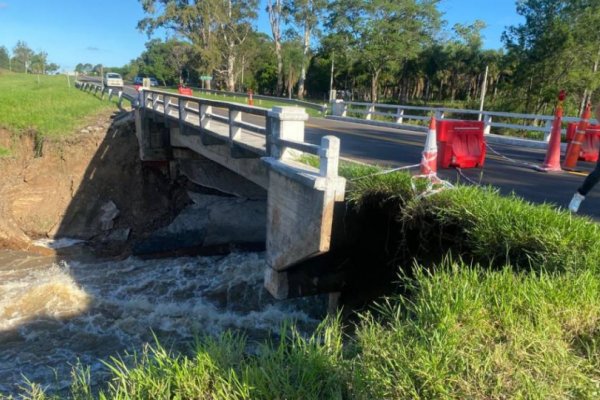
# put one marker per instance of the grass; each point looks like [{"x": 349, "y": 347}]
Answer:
[
  {"x": 4, "y": 152},
  {"x": 44, "y": 104},
  {"x": 500, "y": 299}
]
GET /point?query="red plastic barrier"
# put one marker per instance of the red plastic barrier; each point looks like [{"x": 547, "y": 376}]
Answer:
[
  {"x": 185, "y": 90},
  {"x": 461, "y": 143},
  {"x": 591, "y": 144}
]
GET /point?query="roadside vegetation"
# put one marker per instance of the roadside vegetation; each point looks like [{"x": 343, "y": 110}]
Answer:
[
  {"x": 496, "y": 298},
  {"x": 44, "y": 105}
]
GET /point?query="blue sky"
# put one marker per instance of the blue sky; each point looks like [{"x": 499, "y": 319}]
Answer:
[{"x": 104, "y": 31}]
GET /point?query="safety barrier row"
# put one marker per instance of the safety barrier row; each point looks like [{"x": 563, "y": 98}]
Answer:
[{"x": 401, "y": 114}]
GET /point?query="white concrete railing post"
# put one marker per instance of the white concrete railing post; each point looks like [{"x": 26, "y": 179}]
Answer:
[
  {"x": 399, "y": 115},
  {"x": 286, "y": 123},
  {"x": 205, "y": 111},
  {"x": 329, "y": 156},
  {"x": 548, "y": 130},
  {"x": 183, "y": 113},
  {"x": 338, "y": 108},
  {"x": 166, "y": 105},
  {"x": 487, "y": 124},
  {"x": 370, "y": 112},
  {"x": 235, "y": 131}
]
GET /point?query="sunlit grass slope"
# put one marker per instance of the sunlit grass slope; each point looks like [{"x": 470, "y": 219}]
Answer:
[{"x": 44, "y": 104}]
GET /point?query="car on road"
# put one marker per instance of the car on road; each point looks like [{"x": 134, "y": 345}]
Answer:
[
  {"x": 139, "y": 80},
  {"x": 112, "y": 79}
]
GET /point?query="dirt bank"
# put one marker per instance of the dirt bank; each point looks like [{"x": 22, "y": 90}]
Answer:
[{"x": 90, "y": 186}]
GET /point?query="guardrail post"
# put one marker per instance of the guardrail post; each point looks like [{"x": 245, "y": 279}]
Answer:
[
  {"x": 166, "y": 105},
  {"x": 285, "y": 123},
  {"x": 370, "y": 111},
  {"x": 329, "y": 156},
  {"x": 205, "y": 111},
  {"x": 235, "y": 131},
  {"x": 439, "y": 114},
  {"x": 399, "y": 115},
  {"x": 487, "y": 124},
  {"x": 547, "y": 130},
  {"x": 339, "y": 108},
  {"x": 110, "y": 94}
]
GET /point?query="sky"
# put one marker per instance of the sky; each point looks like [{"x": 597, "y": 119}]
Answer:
[{"x": 104, "y": 31}]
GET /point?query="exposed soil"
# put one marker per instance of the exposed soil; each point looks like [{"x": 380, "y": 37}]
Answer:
[{"x": 60, "y": 190}]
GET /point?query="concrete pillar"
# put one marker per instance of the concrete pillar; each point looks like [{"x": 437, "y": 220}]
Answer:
[
  {"x": 399, "y": 115},
  {"x": 370, "y": 112},
  {"x": 235, "y": 132},
  {"x": 338, "y": 108},
  {"x": 329, "y": 156},
  {"x": 487, "y": 124},
  {"x": 205, "y": 111},
  {"x": 547, "y": 130},
  {"x": 286, "y": 123}
]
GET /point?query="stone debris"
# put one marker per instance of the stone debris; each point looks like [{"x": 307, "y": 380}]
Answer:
[{"x": 109, "y": 213}]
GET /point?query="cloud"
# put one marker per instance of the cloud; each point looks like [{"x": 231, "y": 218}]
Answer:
[
  {"x": 3, "y": 5},
  {"x": 92, "y": 48}
]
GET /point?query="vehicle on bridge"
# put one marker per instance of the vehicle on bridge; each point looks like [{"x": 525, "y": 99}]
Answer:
[
  {"x": 112, "y": 79},
  {"x": 139, "y": 80}
]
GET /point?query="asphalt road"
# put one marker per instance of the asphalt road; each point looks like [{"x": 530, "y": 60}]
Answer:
[{"x": 389, "y": 147}]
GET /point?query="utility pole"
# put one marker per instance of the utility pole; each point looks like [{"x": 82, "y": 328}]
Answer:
[{"x": 483, "y": 90}]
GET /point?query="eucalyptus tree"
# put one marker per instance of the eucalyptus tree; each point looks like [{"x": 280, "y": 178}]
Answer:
[
  {"x": 4, "y": 58},
  {"x": 22, "y": 56},
  {"x": 217, "y": 28},
  {"x": 385, "y": 33},
  {"x": 557, "y": 47},
  {"x": 276, "y": 15},
  {"x": 306, "y": 15}
]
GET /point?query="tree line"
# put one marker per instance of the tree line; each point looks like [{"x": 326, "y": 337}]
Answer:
[
  {"x": 24, "y": 59},
  {"x": 376, "y": 50}
]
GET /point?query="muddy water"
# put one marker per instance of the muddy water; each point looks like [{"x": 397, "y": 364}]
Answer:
[{"x": 53, "y": 314}]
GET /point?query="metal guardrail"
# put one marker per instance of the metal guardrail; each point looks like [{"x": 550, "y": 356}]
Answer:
[
  {"x": 97, "y": 87},
  {"x": 322, "y": 108},
  {"x": 491, "y": 119}
]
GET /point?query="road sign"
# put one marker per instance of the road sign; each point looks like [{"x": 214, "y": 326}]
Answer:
[{"x": 206, "y": 78}]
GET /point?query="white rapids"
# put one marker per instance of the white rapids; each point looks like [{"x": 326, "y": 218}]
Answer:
[{"x": 55, "y": 315}]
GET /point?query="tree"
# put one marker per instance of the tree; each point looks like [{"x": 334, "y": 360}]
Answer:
[
  {"x": 386, "y": 33},
  {"x": 558, "y": 47},
  {"x": 292, "y": 63},
  {"x": 275, "y": 11},
  {"x": 22, "y": 56},
  {"x": 306, "y": 14},
  {"x": 52, "y": 68},
  {"x": 38, "y": 63},
  {"x": 4, "y": 58},
  {"x": 216, "y": 28}
]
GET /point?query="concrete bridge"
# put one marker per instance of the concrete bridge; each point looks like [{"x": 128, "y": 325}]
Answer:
[{"x": 258, "y": 145}]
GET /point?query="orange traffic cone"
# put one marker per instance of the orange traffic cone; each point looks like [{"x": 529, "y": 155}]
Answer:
[
  {"x": 552, "y": 161},
  {"x": 575, "y": 145},
  {"x": 429, "y": 158}
]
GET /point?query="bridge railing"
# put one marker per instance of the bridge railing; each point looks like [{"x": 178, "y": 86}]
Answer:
[
  {"x": 415, "y": 115},
  {"x": 280, "y": 129}
]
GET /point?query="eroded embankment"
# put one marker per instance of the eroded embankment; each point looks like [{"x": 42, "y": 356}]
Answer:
[{"x": 90, "y": 185}]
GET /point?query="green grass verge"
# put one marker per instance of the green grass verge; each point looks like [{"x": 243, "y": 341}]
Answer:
[
  {"x": 44, "y": 104},
  {"x": 516, "y": 314},
  {"x": 4, "y": 152}
]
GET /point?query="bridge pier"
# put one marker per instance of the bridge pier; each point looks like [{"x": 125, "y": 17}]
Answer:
[{"x": 300, "y": 199}]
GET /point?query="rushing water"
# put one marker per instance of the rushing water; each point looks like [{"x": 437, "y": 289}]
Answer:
[{"x": 54, "y": 314}]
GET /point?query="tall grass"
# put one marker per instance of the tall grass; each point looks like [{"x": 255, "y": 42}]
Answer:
[{"x": 44, "y": 104}]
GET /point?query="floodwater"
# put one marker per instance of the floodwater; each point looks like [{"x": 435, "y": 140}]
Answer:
[{"x": 55, "y": 314}]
